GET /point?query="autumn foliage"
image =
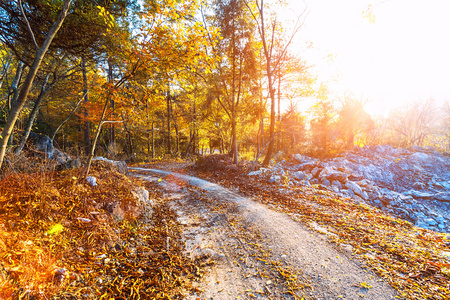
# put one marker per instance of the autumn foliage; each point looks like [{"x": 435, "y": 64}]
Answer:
[{"x": 59, "y": 238}]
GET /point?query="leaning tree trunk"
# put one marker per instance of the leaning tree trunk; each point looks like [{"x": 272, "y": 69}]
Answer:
[
  {"x": 94, "y": 143},
  {"x": 14, "y": 91},
  {"x": 33, "y": 115},
  {"x": 18, "y": 105}
]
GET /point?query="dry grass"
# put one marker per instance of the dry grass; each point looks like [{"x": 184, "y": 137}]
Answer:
[{"x": 58, "y": 239}]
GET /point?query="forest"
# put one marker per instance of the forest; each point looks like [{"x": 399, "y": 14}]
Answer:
[
  {"x": 141, "y": 93},
  {"x": 146, "y": 80}
]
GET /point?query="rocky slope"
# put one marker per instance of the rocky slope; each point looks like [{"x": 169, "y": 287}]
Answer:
[{"x": 413, "y": 184}]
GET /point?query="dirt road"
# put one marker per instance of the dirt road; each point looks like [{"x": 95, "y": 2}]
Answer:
[{"x": 256, "y": 252}]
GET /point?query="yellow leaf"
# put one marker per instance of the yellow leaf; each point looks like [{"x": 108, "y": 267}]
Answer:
[{"x": 55, "y": 229}]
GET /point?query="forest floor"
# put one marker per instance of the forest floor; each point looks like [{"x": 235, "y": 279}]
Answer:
[
  {"x": 258, "y": 252},
  {"x": 225, "y": 236},
  {"x": 333, "y": 247}
]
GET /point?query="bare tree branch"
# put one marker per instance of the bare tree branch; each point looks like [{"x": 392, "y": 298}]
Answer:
[{"x": 19, "y": 3}]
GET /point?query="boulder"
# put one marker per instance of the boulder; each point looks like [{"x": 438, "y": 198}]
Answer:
[
  {"x": 70, "y": 164},
  {"x": 357, "y": 190},
  {"x": 307, "y": 166},
  {"x": 443, "y": 196},
  {"x": 120, "y": 166},
  {"x": 337, "y": 176},
  {"x": 419, "y": 194},
  {"x": 44, "y": 144},
  {"x": 326, "y": 182},
  {"x": 299, "y": 175},
  {"x": 275, "y": 179},
  {"x": 255, "y": 173},
  {"x": 337, "y": 184}
]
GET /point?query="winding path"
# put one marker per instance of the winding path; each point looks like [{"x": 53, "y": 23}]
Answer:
[{"x": 332, "y": 274}]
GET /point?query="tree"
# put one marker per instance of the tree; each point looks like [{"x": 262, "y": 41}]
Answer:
[
  {"x": 322, "y": 122},
  {"x": 236, "y": 63},
  {"x": 269, "y": 39},
  {"x": 352, "y": 120},
  {"x": 413, "y": 124},
  {"x": 292, "y": 131},
  {"x": 40, "y": 52}
]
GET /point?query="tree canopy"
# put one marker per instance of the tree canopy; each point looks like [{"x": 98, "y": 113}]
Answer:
[{"x": 144, "y": 80}]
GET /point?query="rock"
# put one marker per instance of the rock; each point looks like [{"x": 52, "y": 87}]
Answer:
[
  {"x": 274, "y": 179},
  {"x": 307, "y": 166},
  {"x": 418, "y": 185},
  {"x": 255, "y": 173},
  {"x": 419, "y": 158},
  {"x": 91, "y": 180},
  {"x": 298, "y": 157},
  {"x": 418, "y": 194},
  {"x": 348, "y": 192},
  {"x": 396, "y": 180},
  {"x": 444, "y": 185},
  {"x": 60, "y": 157},
  {"x": 43, "y": 143},
  {"x": 337, "y": 184},
  {"x": 326, "y": 182},
  {"x": 431, "y": 222},
  {"x": 356, "y": 189},
  {"x": 337, "y": 176},
  {"x": 422, "y": 224},
  {"x": 299, "y": 175},
  {"x": 120, "y": 165},
  {"x": 355, "y": 177},
  {"x": 443, "y": 196},
  {"x": 279, "y": 156},
  {"x": 334, "y": 189},
  {"x": 142, "y": 195},
  {"x": 315, "y": 172}
]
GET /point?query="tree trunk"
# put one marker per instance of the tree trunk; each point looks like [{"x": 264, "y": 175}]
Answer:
[
  {"x": 14, "y": 91},
  {"x": 234, "y": 151},
  {"x": 177, "y": 136},
  {"x": 153, "y": 141},
  {"x": 169, "y": 144},
  {"x": 33, "y": 115},
  {"x": 279, "y": 109},
  {"x": 87, "y": 136},
  {"x": 5, "y": 68},
  {"x": 94, "y": 143},
  {"x": 112, "y": 131},
  {"x": 271, "y": 89},
  {"x": 18, "y": 105},
  {"x": 129, "y": 137}
]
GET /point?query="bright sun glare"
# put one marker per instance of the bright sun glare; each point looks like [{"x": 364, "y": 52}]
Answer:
[{"x": 403, "y": 56}]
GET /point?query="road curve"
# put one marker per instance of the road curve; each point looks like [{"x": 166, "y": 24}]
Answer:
[{"x": 334, "y": 274}]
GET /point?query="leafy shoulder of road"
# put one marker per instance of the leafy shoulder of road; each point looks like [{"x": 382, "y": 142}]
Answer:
[{"x": 63, "y": 238}]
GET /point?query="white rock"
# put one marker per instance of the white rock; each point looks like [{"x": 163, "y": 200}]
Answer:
[{"x": 91, "y": 180}]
